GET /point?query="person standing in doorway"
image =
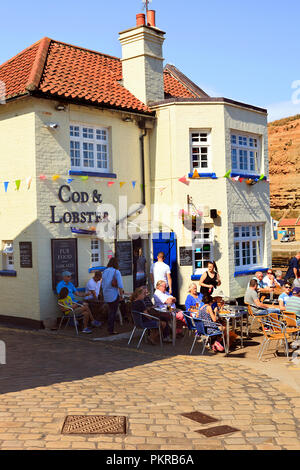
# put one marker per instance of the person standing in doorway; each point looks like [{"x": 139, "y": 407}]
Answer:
[
  {"x": 160, "y": 271},
  {"x": 209, "y": 280},
  {"x": 140, "y": 269},
  {"x": 293, "y": 269},
  {"x": 113, "y": 291}
]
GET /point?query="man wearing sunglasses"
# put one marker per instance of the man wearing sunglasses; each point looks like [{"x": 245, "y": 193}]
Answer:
[{"x": 287, "y": 293}]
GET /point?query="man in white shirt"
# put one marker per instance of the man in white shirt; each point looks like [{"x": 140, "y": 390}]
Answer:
[
  {"x": 160, "y": 271},
  {"x": 269, "y": 280},
  {"x": 93, "y": 286}
]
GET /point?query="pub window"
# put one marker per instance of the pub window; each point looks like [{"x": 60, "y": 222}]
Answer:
[
  {"x": 248, "y": 246},
  {"x": 89, "y": 148},
  {"x": 202, "y": 249},
  {"x": 245, "y": 153},
  {"x": 200, "y": 150},
  {"x": 95, "y": 252},
  {"x": 8, "y": 256}
]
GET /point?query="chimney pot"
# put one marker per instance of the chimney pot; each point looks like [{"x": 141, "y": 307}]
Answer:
[
  {"x": 151, "y": 18},
  {"x": 140, "y": 19}
]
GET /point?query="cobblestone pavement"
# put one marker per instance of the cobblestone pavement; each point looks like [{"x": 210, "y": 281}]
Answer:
[{"x": 48, "y": 377}]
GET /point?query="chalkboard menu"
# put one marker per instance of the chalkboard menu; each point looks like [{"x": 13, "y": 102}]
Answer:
[
  {"x": 186, "y": 256},
  {"x": 64, "y": 258},
  {"x": 124, "y": 255},
  {"x": 25, "y": 254}
]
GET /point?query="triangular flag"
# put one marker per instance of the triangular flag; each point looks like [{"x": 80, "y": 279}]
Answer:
[
  {"x": 261, "y": 177},
  {"x": 162, "y": 189},
  {"x": 17, "y": 183},
  {"x": 236, "y": 178},
  {"x": 241, "y": 180},
  {"x": 184, "y": 180},
  {"x": 43, "y": 177},
  {"x": 227, "y": 174},
  {"x": 142, "y": 186},
  {"x": 195, "y": 174},
  {"x": 55, "y": 177},
  {"x": 69, "y": 180},
  {"x": 6, "y": 183},
  {"x": 110, "y": 183},
  {"x": 122, "y": 183},
  {"x": 84, "y": 178},
  {"x": 133, "y": 184},
  {"x": 28, "y": 182}
]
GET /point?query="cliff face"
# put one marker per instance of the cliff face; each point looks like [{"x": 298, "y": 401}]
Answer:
[{"x": 284, "y": 157}]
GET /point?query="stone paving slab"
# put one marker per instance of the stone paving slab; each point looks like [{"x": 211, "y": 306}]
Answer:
[{"x": 48, "y": 377}]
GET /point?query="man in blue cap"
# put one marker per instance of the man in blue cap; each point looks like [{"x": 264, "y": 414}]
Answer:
[{"x": 66, "y": 282}]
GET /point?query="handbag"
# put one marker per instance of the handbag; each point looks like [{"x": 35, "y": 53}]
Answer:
[{"x": 114, "y": 282}]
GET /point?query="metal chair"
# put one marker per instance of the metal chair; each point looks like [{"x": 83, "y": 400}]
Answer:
[
  {"x": 68, "y": 313},
  {"x": 255, "y": 316},
  {"x": 140, "y": 325},
  {"x": 273, "y": 330},
  {"x": 198, "y": 326}
]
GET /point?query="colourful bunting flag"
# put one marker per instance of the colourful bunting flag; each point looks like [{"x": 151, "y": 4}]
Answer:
[
  {"x": 55, "y": 177},
  {"x": 227, "y": 174},
  {"x": 43, "y": 177},
  {"x": 133, "y": 184},
  {"x": 28, "y": 182},
  {"x": 122, "y": 183},
  {"x": 261, "y": 177},
  {"x": 162, "y": 189},
  {"x": 184, "y": 180},
  {"x": 236, "y": 178},
  {"x": 195, "y": 175},
  {"x": 84, "y": 178},
  {"x": 17, "y": 183},
  {"x": 142, "y": 187},
  {"x": 69, "y": 180},
  {"x": 6, "y": 183},
  {"x": 110, "y": 183}
]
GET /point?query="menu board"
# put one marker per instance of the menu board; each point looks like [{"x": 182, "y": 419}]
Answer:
[
  {"x": 186, "y": 256},
  {"x": 64, "y": 258},
  {"x": 25, "y": 254},
  {"x": 124, "y": 255}
]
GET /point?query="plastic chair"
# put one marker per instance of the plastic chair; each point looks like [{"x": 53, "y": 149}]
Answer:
[
  {"x": 68, "y": 313},
  {"x": 273, "y": 330},
  {"x": 140, "y": 325},
  {"x": 198, "y": 326}
]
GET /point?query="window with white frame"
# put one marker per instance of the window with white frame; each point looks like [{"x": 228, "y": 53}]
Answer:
[
  {"x": 202, "y": 249},
  {"x": 245, "y": 153},
  {"x": 8, "y": 256},
  {"x": 95, "y": 252},
  {"x": 248, "y": 246},
  {"x": 89, "y": 148},
  {"x": 200, "y": 151}
]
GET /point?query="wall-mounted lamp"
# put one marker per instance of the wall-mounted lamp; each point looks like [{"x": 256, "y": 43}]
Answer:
[
  {"x": 60, "y": 107},
  {"x": 127, "y": 119},
  {"x": 52, "y": 125}
]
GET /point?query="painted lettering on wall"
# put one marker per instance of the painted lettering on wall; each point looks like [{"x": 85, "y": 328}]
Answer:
[{"x": 65, "y": 195}]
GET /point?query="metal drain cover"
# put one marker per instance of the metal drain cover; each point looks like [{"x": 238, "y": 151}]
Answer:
[
  {"x": 217, "y": 431},
  {"x": 94, "y": 425},
  {"x": 200, "y": 417}
]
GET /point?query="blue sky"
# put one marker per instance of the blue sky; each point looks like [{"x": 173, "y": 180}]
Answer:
[{"x": 248, "y": 51}]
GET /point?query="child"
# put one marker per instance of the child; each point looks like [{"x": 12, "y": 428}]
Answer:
[{"x": 66, "y": 302}]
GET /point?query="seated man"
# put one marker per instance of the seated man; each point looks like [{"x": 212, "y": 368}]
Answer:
[
  {"x": 293, "y": 303},
  {"x": 251, "y": 298},
  {"x": 270, "y": 281},
  {"x": 287, "y": 293},
  {"x": 259, "y": 278},
  {"x": 163, "y": 299},
  {"x": 279, "y": 277},
  {"x": 93, "y": 286}
]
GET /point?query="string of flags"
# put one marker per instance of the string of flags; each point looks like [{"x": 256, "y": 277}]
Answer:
[{"x": 184, "y": 180}]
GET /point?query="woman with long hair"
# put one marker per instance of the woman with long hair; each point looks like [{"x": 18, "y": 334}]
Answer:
[
  {"x": 112, "y": 287},
  {"x": 210, "y": 279}
]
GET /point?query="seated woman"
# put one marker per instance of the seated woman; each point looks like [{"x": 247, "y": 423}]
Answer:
[
  {"x": 193, "y": 300},
  {"x": 139, "y": 305},
  {"x": 207, "y": 315},
  {"x": 217, "y": 307},
  {"x": 66, "y": 302},
  {"x": 163, "y": 299}
]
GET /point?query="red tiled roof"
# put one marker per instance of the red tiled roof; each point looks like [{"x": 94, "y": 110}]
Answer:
[
  {"x": 287, "y": 222},
  {"x": 62, "y": 70}
]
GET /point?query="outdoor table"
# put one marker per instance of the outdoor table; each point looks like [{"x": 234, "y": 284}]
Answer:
[
  {"x": 173, "y": 314},
  {"x": 234, "y": 312}
]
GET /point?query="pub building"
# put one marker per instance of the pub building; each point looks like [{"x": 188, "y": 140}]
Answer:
[{"x": 87, "y": 138}]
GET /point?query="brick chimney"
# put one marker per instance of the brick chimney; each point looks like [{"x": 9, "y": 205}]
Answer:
[{"x": 142, "y": 59}]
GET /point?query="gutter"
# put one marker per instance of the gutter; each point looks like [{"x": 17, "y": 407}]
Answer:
[{"x": 142, "y": 137}]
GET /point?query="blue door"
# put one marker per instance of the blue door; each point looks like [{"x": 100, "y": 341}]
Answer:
[{"x": 167, "y": 243}]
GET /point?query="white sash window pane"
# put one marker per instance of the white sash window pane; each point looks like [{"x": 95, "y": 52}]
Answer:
[
  {"x": 234, "y": 162},
  {"x": 200, "y": 151},
  {"x": 74, "y": 131},
  {"x": 88, "y": 133},
  {"x": 75, "y": 153},
  {"x": 102, "y": 160},
  {"x": 248, "y": 245},
  {"x": 88, "y": 155}
]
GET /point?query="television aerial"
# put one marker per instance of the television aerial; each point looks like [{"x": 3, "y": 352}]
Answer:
[{"x": 146, "y": 5}]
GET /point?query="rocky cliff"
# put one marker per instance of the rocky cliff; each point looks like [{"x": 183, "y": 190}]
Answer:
[{"x": 284, "y": 157}]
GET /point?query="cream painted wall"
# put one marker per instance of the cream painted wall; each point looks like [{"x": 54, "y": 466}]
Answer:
[
  {"x": 170, "y": 159},
  {"x": 18, "y": 209},
  {"x": 53, "y": 157}
]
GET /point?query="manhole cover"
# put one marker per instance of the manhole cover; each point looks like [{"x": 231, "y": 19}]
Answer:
[
  {"x": 200, "y": 417},
  {"x": 217, "y": 431},
  {"x": 94, "y": 425}
]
